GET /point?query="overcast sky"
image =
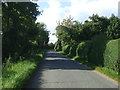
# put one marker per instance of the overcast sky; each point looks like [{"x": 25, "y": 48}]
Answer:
[{"x": 80, "y": 10}]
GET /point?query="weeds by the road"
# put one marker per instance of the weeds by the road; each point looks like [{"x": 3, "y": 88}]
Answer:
[
  {"x": 108, "y": 72},
  {"x": 15, "y": 75},
  {"x": 0, "y": 83}
]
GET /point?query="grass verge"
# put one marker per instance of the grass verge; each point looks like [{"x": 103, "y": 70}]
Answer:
[
  {"x": 0, "y": 83},
  {"x": 61, "y": 52},
  {"x": 15, "y": 75},
  {"x": 108, "y": 72}
]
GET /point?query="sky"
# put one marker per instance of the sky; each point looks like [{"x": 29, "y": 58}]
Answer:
[{"x": 54, "y": 10}]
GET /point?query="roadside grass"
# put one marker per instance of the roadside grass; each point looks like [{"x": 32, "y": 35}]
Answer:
[
  {"x": 61, "y": 52},
  {"x": 0, "y": 75},
  {"x": 108, "y": 72},
  {"x": 0, "y": 83},
  {"x": 15, "y": 75}
]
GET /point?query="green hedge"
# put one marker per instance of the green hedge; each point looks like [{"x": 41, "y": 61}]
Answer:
[
  {"x": 100, "y": 51},
  {"x": 83, "y": 49},
  {"x": 87, "y": 49},
  {"x": 58, "y": 46},
  {"x": 98, "y": 45},
  {"x": 72, "y": 51},
  {"x": 111, "y": 54},
  {"x": 80, "y": 49},
  {"x": 66, "y": 49}
]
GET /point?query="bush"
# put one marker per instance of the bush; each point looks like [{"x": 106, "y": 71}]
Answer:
[
  {"x": 55, "y": 47},
  {"x": 58, "y": 46},
  {"x": 98, "y": 45},
  {"x": 66, "y": 49},
  {"x": 87, "y": 49},
  {"x": 72, "y": 51},
  {"x": 50, "y": 45},
  {"x": 111, "y": 55},
  {"x": 80, "y": 49}
]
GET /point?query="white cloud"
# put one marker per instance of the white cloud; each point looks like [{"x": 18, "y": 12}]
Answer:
[{"x": 79, "y": 9}]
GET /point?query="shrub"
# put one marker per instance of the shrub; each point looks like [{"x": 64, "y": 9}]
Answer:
[
  {"x": 87, "y": 49},
  {"x": 50, "y": 45},
  {"x": 55, "y": 47},
  {"x": 83, "y": 49},
  {"x": 66, "y": 49},
  {"x": 111, "y": 55},
  {"x": 72, "y": 51},
  {"x": 58, "y": 46},
  {"x": 80, "y": 49},
  {"x": 98, "y": 45}
]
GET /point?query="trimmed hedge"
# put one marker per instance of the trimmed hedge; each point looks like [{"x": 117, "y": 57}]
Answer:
[
  {"x": 72, "y": 51},
  {"x": 98, "y": 45},
  {"x": 83, "y": 49},
  {"x": 87, "y": 49},
  {"x": 80, "y": 49},
  {"x": 66, "y": 49},
  {"x": 100, "y": 51},
  {"x": 111, "y": 55},
  {"x": 58, "y": 46}
]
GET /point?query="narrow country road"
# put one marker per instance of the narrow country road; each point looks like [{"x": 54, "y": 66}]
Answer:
[{"x": 59, "y": 71}]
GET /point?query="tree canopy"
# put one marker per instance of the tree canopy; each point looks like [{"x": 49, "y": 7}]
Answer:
[
  {"x": 71, "y": 31},
  {"x": 20, "y": 32}
]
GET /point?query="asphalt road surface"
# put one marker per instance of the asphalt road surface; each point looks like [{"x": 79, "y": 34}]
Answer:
[{"x": 59, "y": 71}]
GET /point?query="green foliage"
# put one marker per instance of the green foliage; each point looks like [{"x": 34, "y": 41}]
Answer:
[
  {"x": 109, "y": 72},
  {"x": 87, "y": 49},
  {"x": 111, "y": 55},
  {"x": 92, "y": 40},
  {"x": 97, "y": 49},
  {"x": 15, "y": 75},
  {"x": 50, "y": 46},
  {"x": 58, "y": 46},
  {"x": 67, "y": 31},
  {"x": 21, "y": 35},
  {"x": 0, "y": 83},
  {"x": 70, "y": 31},
  {"x": 66, "y": 49},
  {"x": 113, "y": 29},
  {"x": 80, "y": 49},
  {"x": 77, "y": 58},
  {"x": 64, "y": 33},
  {"x": 72, "y": 51},
  {"x": 83, "y": 49}
]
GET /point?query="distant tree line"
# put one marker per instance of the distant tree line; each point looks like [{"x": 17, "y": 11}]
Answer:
[{"x": 71, "y": 31}]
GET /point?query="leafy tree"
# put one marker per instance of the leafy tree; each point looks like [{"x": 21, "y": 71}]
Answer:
[
  {"x": 113, "y": 29},
  {"x": 43, "y": 34},
  {"x": 19, "y": 29}
]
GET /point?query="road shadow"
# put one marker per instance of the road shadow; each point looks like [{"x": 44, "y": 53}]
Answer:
[
  {"x": 63, "y": 65},
  {"x": 55, "y": 55},
  {"x": 53, "y": 61}
]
